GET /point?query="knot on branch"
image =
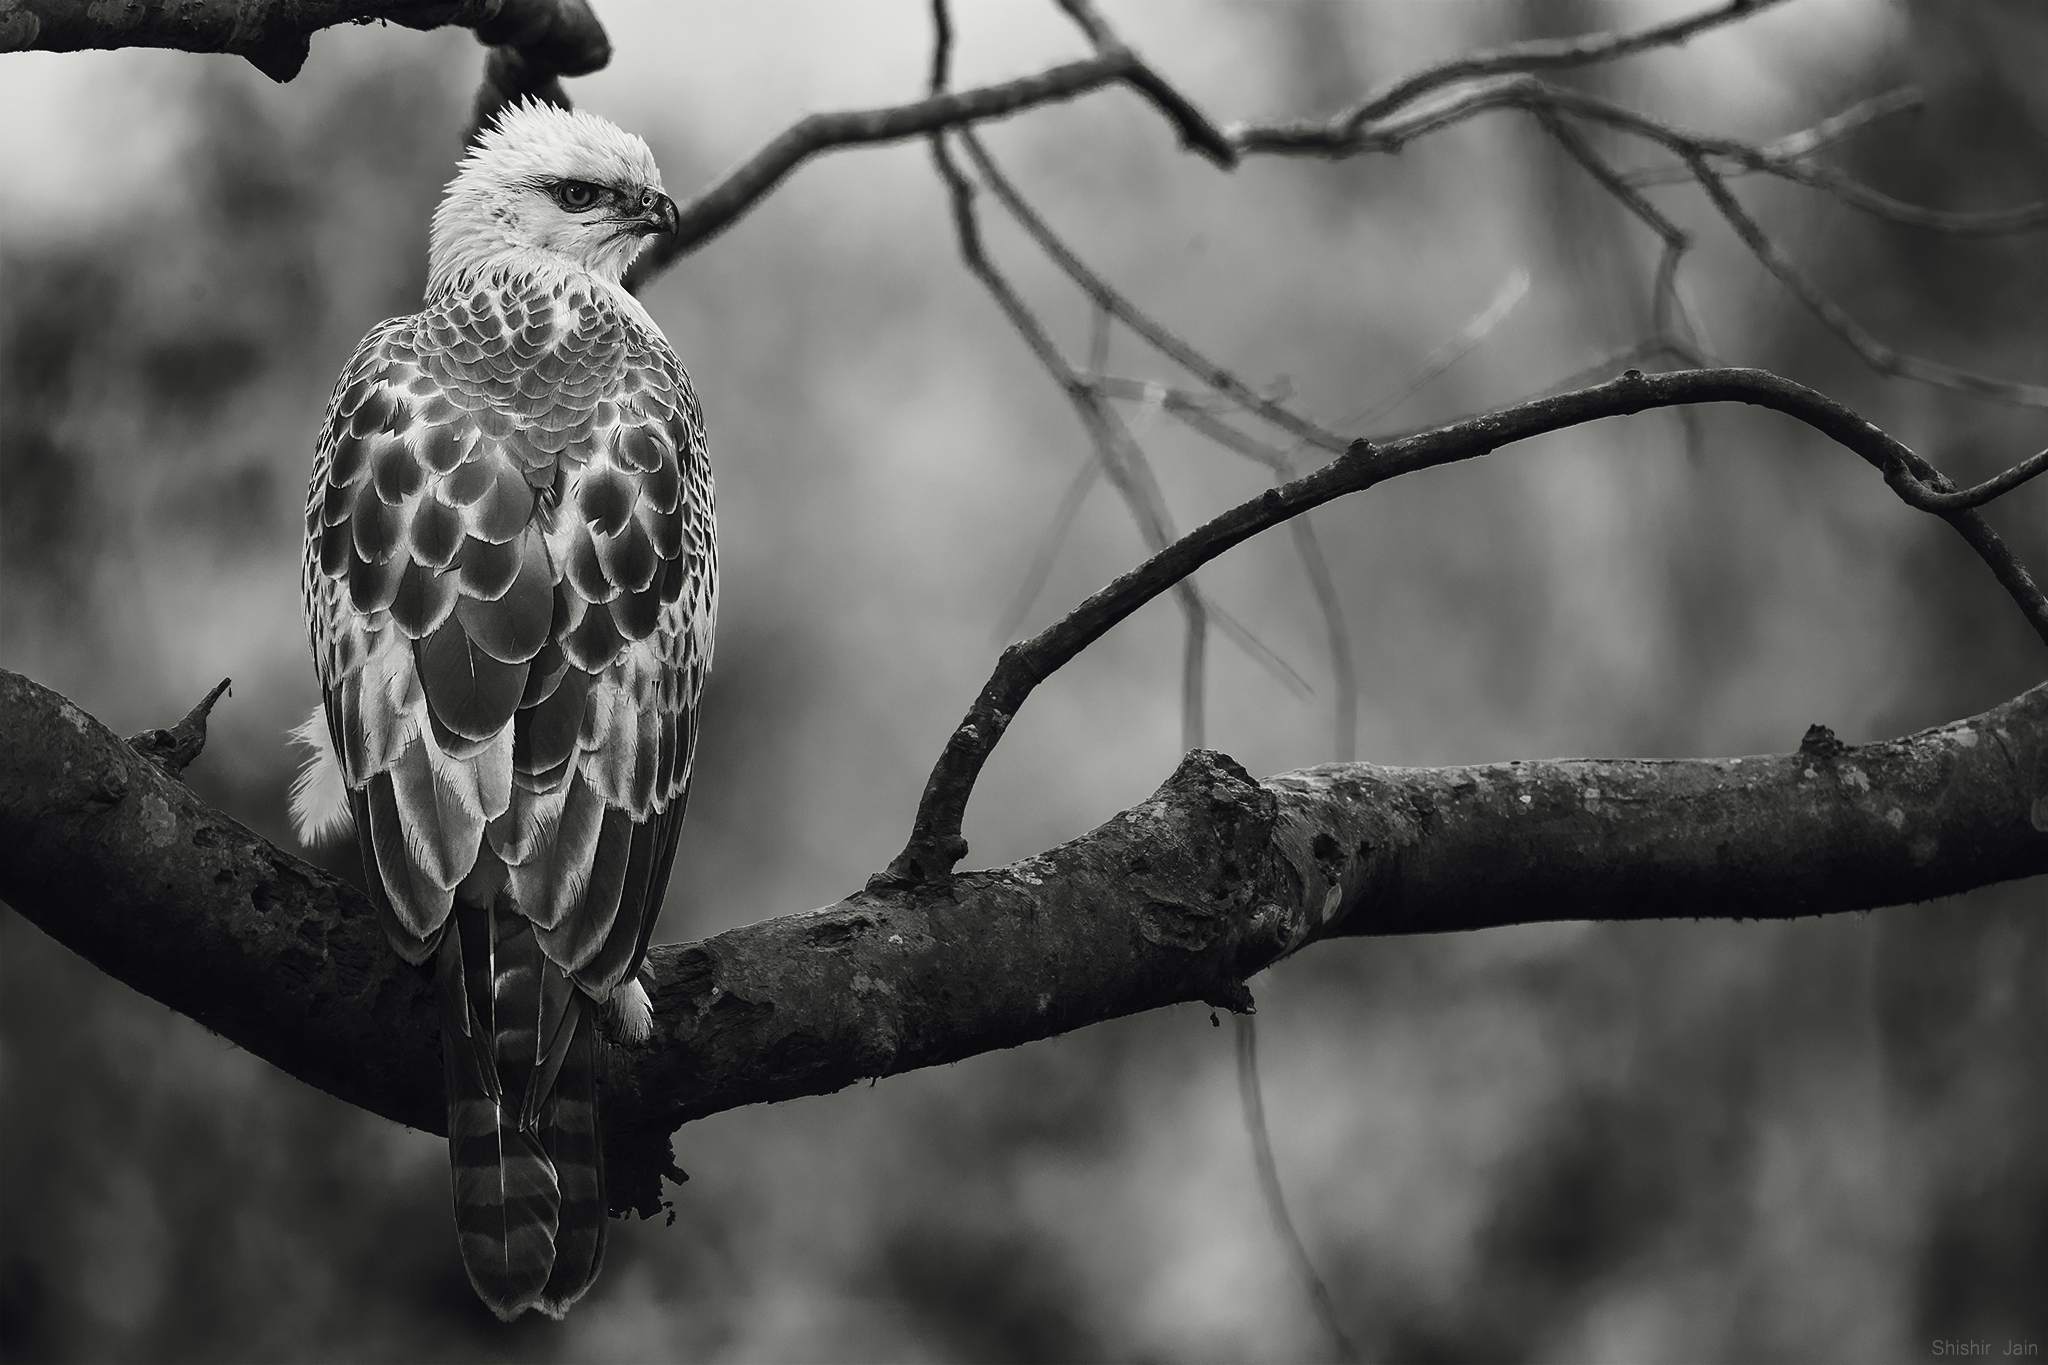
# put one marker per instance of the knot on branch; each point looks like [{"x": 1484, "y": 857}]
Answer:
[
  {"x": 927, "y": 860},
  {"x": 562, "y": 37},
  {"x": 1820, "y": 742},
  {"x": 1234, "y": 996},
  {"x": 1218, "y": 775},
  {"x": 280, "y": 57},
  {"x": 174, "y": 749}
]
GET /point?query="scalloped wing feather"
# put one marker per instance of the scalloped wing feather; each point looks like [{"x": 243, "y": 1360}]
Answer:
[{"x": 511, "y": 587}]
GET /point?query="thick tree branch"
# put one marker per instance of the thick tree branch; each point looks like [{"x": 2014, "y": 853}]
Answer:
[
  {"x": 275, "y": 35},
  {"x": 1179, "y": 899}
]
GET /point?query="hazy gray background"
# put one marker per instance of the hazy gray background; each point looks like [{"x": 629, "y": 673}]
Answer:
[{"x": 1678, "y": 1142}]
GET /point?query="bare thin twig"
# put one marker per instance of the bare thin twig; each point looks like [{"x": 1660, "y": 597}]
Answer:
[
  {"x": 1248, "y": 1093},
  {"x": 1806, "y": 141},
  {"x": 1543, "y": 101},
  {"x": 1875, "y": 353},
  {"x": 1528, "y": 93},
  {"x": 739, "y": 190},
  {"x": 1122, "y": 461},
  {"x": 1857, "y": 195},
  {"x": 1078, "y": 489},
  {"x": 1550, "y": 54},
  {"x": 1311, "y": 137},
  {"x": 1070, "y": 502},
  {"x": 1939, "y": 495},
  {"x": 1336, "y": 632},
  {"x": 1198, "y": 411},
  {"x": 942, "y": 46},
  {"x": 1196, "y": 132},
  {"x": 1098, "y": 289},
  {"x": 1445, "y": 354}
]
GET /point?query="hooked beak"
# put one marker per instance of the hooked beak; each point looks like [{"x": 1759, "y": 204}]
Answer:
[{"x": 658, "y": 214}]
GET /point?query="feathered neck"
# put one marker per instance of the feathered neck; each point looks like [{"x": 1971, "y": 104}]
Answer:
[
  {"x": 538, "y": 273},
  {"x": 460, "y": 262}
]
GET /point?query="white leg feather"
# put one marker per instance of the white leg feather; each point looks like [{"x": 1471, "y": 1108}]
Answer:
[
  {"x": 320, "y": 811},
  {"x": 631, "y": 1012}
]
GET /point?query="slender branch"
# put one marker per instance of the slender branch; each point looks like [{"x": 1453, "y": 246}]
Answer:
[
  {"x": 1121, "y": 458},
  {"x": 942, "y": 46},
  {"x": 1526, "y": 93},
  {"x": 1254, "y": 1105},
  {"x": 1178, "y": 899},
  {"x": 1663, "y": 294},
  {"x": 1098, "y": 289},
  {"x": 734, "y": 195},
  {"x": 1336, "y": 632},
  {"x": 1839, "y": 127},
  {"x": 1533, "y": 95},
  {"x": 1552, "y": 54},
  {"x": 1969, "y": 223},
  {"x": 1829, "y": 131},
  {"x": 935, "y": 843},
  {"x": 1787, "y": 159},
  {"x": 1197, "y": 134},
  {"x": 1938, "y": 494},
  {"x": 1874, "y": 353},
  {"x": 1199, "y": 412},
  {"x": 1049, "y": 545},
  {"x": 1333, "y": 138}
]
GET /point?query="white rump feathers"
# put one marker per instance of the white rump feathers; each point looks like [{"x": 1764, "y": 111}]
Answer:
[{"x": 319, "y": 799}]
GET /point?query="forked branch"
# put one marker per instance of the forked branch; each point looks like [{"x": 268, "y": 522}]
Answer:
[{"x": 936, "y": 844}]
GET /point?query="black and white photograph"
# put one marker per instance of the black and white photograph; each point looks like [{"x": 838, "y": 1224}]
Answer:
[{"x": 1024, "y": 681}]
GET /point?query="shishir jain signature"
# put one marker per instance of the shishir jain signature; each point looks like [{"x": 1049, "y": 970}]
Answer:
[{"x": 1964, "y": 1346}]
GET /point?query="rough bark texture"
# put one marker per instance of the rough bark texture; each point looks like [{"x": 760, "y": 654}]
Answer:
[
  {"x": 275, "y": 35},
  {"x": 1181, "y": 898}
]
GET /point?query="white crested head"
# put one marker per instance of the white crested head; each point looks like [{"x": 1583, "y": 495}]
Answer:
[{"x": 548, "y": 189}]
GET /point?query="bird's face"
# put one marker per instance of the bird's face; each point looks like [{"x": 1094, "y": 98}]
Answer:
[
  {"x": 597, "y": 223},
  {"x": 549, "y": 188}
]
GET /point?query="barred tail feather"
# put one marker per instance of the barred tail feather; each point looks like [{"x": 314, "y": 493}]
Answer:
[
  {"x": 518, "y": 1052},
  {"x": 571, "y": 1133}
]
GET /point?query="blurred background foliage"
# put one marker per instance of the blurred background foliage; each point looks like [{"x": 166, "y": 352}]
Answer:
[{"x": 1631, "y": 1143}]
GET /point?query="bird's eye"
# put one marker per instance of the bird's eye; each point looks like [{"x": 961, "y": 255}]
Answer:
[{"x": 576, "y": 195}]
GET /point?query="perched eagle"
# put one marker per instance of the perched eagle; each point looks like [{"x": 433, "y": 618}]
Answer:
[{"x": 511, "y": 581}]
